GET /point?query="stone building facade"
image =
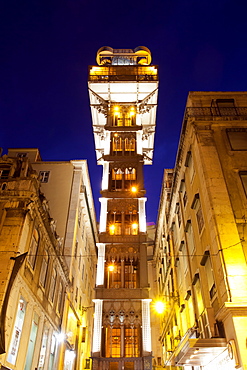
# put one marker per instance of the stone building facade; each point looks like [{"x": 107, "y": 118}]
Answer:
[
  {"x": 200, "y": 249},
  {"x": 50, "y": 304}
]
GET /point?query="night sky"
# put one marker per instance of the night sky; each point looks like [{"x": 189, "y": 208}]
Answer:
[{"x": 46, "y": 47}]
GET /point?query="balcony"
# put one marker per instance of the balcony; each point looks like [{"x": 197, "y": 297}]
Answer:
[
  {"x": 214, "y": 113},
  {"x": 106, "y": 238},
  {"x": 120, "y": 73},
  {"x": 119, "y": 363}
]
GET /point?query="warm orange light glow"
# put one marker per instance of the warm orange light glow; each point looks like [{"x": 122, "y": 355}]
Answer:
[
  {"x": 112, "y": 229},
  {"x": 116, "y": 109},
  {"x": 111, "y": 268},
  {"x": 134, "y": 226},
  {"x": 159, "y": 307},
  {"x": 134, "y": 189}
]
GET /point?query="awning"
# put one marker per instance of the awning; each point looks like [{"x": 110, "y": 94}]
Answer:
[{"x": 198, "y": 351}]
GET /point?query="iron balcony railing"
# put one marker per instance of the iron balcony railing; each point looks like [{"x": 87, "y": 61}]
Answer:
[
  {"x": 211, "y": 112},
  {"x": 123, "y": 73}
]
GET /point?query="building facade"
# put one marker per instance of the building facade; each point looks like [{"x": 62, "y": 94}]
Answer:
[
  {"x": 200, "y": 249},
  {"x": 34, "y": 276},
  {"x": 65, "y": 191},
  {"x": 123, "y": 91}
]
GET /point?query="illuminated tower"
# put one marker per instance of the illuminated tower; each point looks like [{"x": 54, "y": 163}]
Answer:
[{"x": 123, "y": 91}]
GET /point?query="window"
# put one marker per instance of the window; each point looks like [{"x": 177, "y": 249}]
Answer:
[
  {"x": 237, "y": 138},
  {"x": 32, "y": 255},
  {"x": 243, "y": 177},
  {"x": 17, "y": 331},
  {"x": 43, "y": 350},
  {"x": 189, "y": 163},
  {"x": 123, "y": 179},
  {"x": 44, "y": 176},
  {"x": 60, "y": 298},
  {"x": 4, "y": 171},
  {"x": 131, "y": 223},
  {"x": 198, "y": 293},
  {"x": 117, "y": 145},
  {"x": 206, "y": 261},
  {"x": 130, "y": 274},
  {"x": 122, "y": 145},
  {"x": 190, "y": 237},
  {"x": 115, "y": 223},
  {"x": 226, "y": 107},
  {"x": 31, "y": 344},
  {"x": 43, "y": 271},
  {"x": 52, "y": 351},
  {"x": 53, "y": 285},
  {"x": 123, "y": 116},
  {"x": 117, "y": 179},
  {"x": 129, "y": 145},
  {"x": 83, "y": 337},
  {"x": 131, "y": 339},
  {"x": 196, "y": 205},
  {"x": 21, "y": 155}
]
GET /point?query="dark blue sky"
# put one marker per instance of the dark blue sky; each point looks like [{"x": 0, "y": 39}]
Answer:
[{"x": 46, "y": 47}]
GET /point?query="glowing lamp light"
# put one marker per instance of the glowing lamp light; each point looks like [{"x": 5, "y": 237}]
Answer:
[
  {"x": 134, "y": 226},
  {"x": 159, "y": 306},
  {"x": 133, "y": 189},
  {"x": 61, "y": 337},
  {"x": 111, "y": 268},
  {"x": 112, "y": 229}
]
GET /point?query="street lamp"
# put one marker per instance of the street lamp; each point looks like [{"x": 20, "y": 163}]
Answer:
[{"x": 159, "y": 306}]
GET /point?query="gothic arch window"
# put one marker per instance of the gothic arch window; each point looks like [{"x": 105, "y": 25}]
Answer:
[
  {"x": 122, "y": 179},
  {"x": 123, "y": 223}
]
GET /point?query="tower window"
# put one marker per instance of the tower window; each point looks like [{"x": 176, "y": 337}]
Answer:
[
  {"x": 44, "y": 176},
  {"x": 122, "y": 179}
]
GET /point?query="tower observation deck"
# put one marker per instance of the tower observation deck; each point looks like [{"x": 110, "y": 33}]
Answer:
[{"x": 123, "y": 90}]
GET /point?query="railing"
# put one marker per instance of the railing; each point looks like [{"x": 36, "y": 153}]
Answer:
[
  {"x": 129, "y": 363},
  {"x": 211, "y": 112},
  {"x": 123, "y": 77}
]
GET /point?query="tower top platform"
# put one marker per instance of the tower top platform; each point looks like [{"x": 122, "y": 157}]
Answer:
[{"x": 109, "y": 56}]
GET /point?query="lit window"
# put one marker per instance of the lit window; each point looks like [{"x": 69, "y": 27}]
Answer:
[
  {"x": 117, "y": 144},
  {"x": 44, "y": 176},
  {"x": 129, "y": 144},
  {"x": 115, "y": 223}
]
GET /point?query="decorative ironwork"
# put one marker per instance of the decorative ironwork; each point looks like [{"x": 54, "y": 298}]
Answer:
[
  {"x": 211, "y": 112},
  {"x": 143, "y": 106},
  {"x": 102, "y": 107}
]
